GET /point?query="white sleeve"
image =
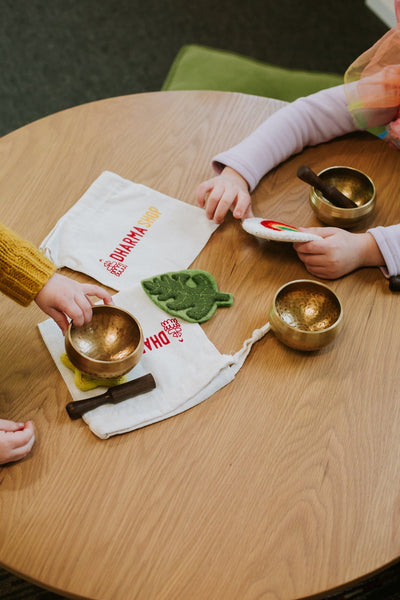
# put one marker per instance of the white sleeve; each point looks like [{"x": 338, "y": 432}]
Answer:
[{"x": 305, "y": 122}]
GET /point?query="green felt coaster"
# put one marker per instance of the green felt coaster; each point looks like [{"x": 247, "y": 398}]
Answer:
[{"x": 191, "y": 295}]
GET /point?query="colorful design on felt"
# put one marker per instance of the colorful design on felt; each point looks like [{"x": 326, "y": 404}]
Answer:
[
  {"x": 85, "y": 382},
  {"x": 191, "y": 295},
  {"x": 277, "y": 226}
]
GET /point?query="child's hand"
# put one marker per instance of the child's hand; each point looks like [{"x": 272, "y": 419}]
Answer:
[
  {"x": 338, "y": 253},
  {"x": 63, "y": 297},
  {"x": 16, "y": 440},
  {"x": 225, "y": 191}
]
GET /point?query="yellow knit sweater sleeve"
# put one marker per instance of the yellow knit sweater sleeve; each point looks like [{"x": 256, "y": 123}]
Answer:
[{"x": 24, "y": 270}]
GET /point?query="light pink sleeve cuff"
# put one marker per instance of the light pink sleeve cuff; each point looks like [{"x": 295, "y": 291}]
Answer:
[{"x": 388, "y": 240}]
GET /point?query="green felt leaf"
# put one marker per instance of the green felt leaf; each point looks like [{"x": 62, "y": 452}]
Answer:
[{"x": 192, "y": 294}]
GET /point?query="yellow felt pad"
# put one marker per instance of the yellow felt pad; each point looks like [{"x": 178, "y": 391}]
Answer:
[{"x": 85, "y": 382}]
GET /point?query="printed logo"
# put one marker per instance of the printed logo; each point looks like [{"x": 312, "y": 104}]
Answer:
[
  {"x": 173, "y": 327},
  {"x": 129, "y": 241},
  {"x": 159, "y": 340},
  {"x": 114, "y": 267}
]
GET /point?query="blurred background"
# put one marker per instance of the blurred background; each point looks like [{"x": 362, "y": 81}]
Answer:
[{"x": 59, "y": 53}]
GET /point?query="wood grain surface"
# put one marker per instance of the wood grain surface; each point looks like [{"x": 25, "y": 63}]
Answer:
[{"x": 283, "y": 484}]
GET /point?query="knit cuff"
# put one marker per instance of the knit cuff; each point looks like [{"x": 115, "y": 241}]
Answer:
[{"x": 24, "y": 270}]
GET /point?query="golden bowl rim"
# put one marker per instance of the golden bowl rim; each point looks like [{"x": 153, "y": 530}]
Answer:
[
  {"x": 347, "y": 214},
  {"x": 97, "y": 361},
  {"x": 303, "y": 331}
]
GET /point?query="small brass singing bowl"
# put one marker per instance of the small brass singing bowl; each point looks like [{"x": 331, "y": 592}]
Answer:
[
  {"x": 109, "y": 346},
  {"x": 354, "y": 184},
  {"x": 305, "y": 315}
]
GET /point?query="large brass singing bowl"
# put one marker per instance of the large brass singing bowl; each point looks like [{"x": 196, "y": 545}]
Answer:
[
  {"x": 109, "y": 346},
  {"x": 354, "y": 184},
  {"x": 305, "y": 315}
]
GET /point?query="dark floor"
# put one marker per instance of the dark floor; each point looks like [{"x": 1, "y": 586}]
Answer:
[{"x": 59, "y": 53}]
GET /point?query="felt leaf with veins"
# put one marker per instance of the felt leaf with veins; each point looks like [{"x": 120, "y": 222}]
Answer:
[{"x": 192, "y": 294}]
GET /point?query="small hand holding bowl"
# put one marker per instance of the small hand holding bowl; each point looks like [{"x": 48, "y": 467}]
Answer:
[{"x": 109, "y": 346}]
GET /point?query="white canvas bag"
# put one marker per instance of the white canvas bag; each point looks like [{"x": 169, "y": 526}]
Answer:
[
  {"x": 120, "y": 232},
  {"x": 186, "y": 366}
]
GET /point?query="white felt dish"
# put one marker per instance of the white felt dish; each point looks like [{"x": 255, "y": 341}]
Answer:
[{"x": 276, "y": 231}]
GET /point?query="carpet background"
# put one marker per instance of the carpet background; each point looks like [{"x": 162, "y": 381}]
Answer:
[{"x": 60, "y": 53}]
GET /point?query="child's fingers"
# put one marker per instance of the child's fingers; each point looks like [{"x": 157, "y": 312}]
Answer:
[
  {"x": 6, "y": 425},
  {"x": 226, "y": 201},
  {"x": 15, "y": 445},
  {"x": 312, "y": 247},
  {"x": 242, "y": 205},
  {"x": 323, "y": 232},
  {"x": 318, "y": 271},
  {"x": 90, "y": 289},
  {"x": 22, "y": 450},
  {"x": 59, "y": 317},
  {"x": 216, "y": 203},
  {"x": 202, "y": 191},
  {"x": 26, "y": 448},
  {"x": 210, "y": 206},
  {"x": 78, "y": 308},
  {"x": 24, "y": 436},
  {"x": 82, "y": 306},
  {"x": 311, "y": 260}
]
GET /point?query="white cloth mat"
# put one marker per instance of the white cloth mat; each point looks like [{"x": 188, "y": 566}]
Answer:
[
  {"x": 120, "y": 232},
  {"x": 185, "y": 364}
]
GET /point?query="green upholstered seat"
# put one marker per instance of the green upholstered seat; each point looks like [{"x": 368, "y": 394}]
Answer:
[{"x": 202, "y": 68}]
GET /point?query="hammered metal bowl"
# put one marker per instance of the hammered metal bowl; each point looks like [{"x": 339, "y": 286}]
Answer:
[
  {"x": 305, "y": 315},
  {"x": 109, "y": 346},
  {"x": 354, "y": 184}
]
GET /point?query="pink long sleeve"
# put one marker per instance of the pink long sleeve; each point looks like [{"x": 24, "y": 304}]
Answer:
[
  {"x": 388, "y": 240},
  {"x": 305, "y": 122}
]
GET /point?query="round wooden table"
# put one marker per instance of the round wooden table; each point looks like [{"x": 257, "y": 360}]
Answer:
[{"x": 283, "y": 484}]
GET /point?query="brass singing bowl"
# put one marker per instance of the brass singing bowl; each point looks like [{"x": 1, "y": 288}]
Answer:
[
  {"x": 109, "y": 346},
  {"x": 305, "y": 315},
  {"x": 354, "y": 184}
]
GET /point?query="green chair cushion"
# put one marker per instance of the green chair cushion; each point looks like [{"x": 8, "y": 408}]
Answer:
[{"x": 202, "y": 68}]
